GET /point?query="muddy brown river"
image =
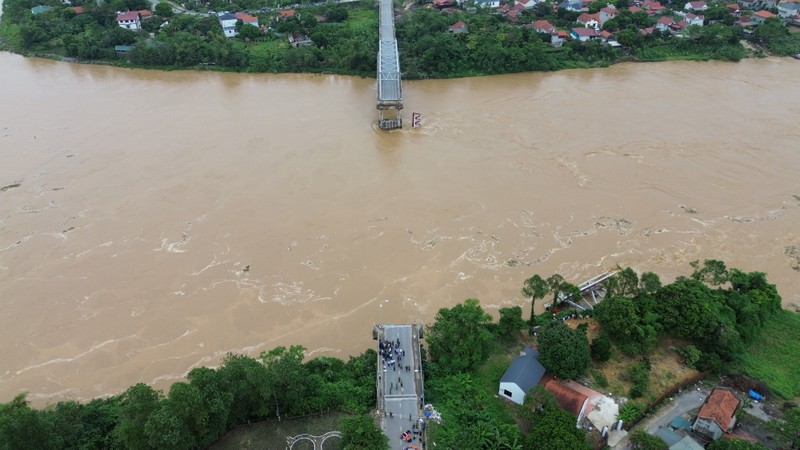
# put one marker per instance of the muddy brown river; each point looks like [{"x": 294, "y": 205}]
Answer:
[{"x": 151, "y": 222}]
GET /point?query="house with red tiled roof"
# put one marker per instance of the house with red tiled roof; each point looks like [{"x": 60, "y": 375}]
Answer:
[
  {"x": 569, "y": 399},
  {"x": 761, "y": 16},
  {"x": 664, "y": 23},
  {"x": 589, "y": 20},
  {"x": 247, "y": 18},
  {"x": 717, "y": 416},
  {"x": 634, "y": 9},
  {"x": 733, "y": 8},
  {"x": 286, "y": 13},
  {"x": 653, "y": 7},
  {"x": 584, "y": 34},
  {"x": 543, "y": 26},
  {"x": 527, "y": 4},
  {"x": 558, "y": 37},
  {"x": 444, "y": 3},
  {"x": 694, "y": 19},
  {"x": 129, "y": 20},
  {"x": 458, "y": 28},
  {"x": 145, "y": 14},
  {"x": 695, "y": 6}
]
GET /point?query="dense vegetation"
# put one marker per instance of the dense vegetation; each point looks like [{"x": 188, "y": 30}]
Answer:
[
  {"x": 718, "y": 310},
  {"x": 345, "y": 38},
  {"x": 195, "y": 413}
]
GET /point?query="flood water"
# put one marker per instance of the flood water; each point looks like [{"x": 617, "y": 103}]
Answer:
[{"x": 152, "y": 222}]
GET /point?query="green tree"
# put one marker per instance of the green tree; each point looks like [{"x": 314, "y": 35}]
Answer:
[
  {"x": 713, "y": 272},
  {"x": 690, "y": 355},
  {"x": 290, "y": 383},
  {"x": 510, "y": 322},
  {"x": 562, "y": 350},
  {"x": 22, "y": 427},
  {"x": 787, "y": 428},
  {"x": 137, "y": 404},
  {"x": 459, "y": 340},
  {"x": 535, "y": 288},
  {"x": 734, "y": 444},
  {"x": 163, "y": 9},
  {"x": 601, "y": 348},
  {"x": 643, "y": 441},
  {"x": 362, "y": 433},
  {"x": 554, "y": 428}
]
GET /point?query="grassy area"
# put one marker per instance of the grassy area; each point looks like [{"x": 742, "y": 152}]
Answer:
[
  {"x": 272, "y": 435},
  {"x": 774, "y": 357},
  {"x": 488, "y": 379}
]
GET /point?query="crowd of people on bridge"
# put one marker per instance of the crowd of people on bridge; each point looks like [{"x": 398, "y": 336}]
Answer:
[{"x": 392, "y": 355}]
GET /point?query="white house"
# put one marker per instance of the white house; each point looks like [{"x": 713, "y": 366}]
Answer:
[
  {"x": 607, "y": 14},
  {"x": 129, "y": 20},
  {"x": 228, "y": 23},
  {"x": 584, "y": 34},
  {"x": 696, "y": 6},
  {"x": 694, "y": 19},
  {"x": 523, "y": 374}
]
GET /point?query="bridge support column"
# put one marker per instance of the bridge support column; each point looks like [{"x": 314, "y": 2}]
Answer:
[{"x": 390, "y": 116}]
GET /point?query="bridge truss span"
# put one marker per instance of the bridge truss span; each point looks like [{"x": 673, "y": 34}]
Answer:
[{"x": 390, "y": 90}]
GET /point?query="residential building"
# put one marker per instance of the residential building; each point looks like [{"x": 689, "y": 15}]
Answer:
[
  {"x": 543, "y": 26},
  {"x": 695, "y": 6},
  {"x": 286, "y": 13},
  {"x": 228, "y": 23},
  {"x": 607, "y": 14},
  {"x": 570, "y": 5},
  {"x": 788, "y": 9},
  {"x": 584, "y": 34},
  {"x": 458, "y": 28},
  {"x": 40, "y": 9},
  {"x": 247, "y": 19},
  {"x": 761, "y": 16},
  {"x": 589, "y": 20},
  {"x": 299, "y": 39},
  {"x": 568, "y": 398},
  {"x": 129, "y": 20},
  {"x": 664, "y": 23},
  {"x": 717, "y": 416},
  {"x": 524, "y": 373},
  {"x": 488, "y": 3}
]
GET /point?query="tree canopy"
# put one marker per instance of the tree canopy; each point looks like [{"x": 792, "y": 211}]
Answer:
[
  {"x": 562, "y": 350},
  {"x": 459, "y": 340}
]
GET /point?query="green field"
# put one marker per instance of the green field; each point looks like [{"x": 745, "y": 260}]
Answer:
[{"x": 774, "y": 357}]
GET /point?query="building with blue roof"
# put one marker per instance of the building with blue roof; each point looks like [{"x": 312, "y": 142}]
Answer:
[{"x": 524, "y": 373}]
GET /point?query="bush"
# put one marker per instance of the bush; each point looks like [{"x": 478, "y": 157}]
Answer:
[
  {"x": 639, "y": 374},
  {"x": 690, "y": 354},
  {"x": 601, "y": 348},
  {"x": 630, "y": 411}
]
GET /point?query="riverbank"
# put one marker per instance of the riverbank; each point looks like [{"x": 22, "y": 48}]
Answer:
[{"x": 342, "y": 39}]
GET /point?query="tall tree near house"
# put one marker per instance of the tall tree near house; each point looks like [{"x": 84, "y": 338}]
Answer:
[
  {"x": 562, "y": 350},
  {"x": 536, "y": 288}
]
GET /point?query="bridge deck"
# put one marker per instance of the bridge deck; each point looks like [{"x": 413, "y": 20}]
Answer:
[
  {"x": 400, "y": 391},
  {"x": 390, "y": 91}
]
